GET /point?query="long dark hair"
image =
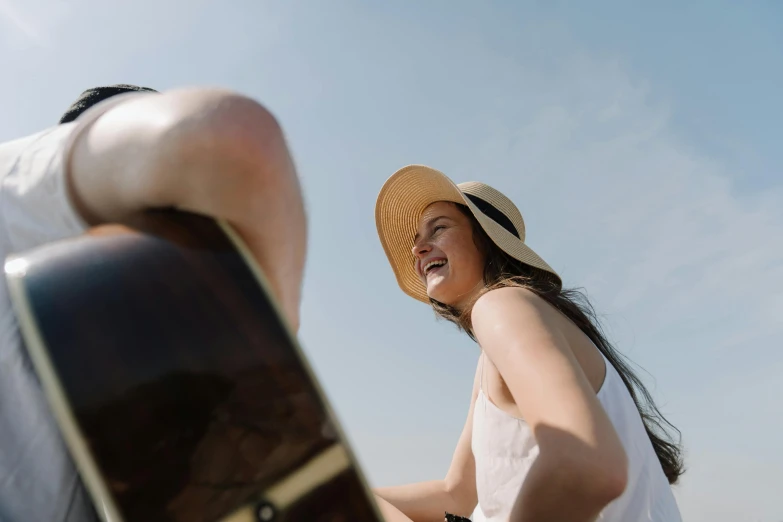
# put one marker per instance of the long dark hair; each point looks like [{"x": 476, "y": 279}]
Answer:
[{"x": 501, "y": 270}]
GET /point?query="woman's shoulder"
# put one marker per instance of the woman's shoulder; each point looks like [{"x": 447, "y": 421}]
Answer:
[
  {"x": 513, "y": 299},
  {"x": 519, "y": 312}
]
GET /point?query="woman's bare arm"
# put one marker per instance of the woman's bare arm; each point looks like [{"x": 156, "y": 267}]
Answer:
[
  {"x": 456, "y": 493},
  {"x": 582, "y": 465},
  {"x": 389, "y": 512}
]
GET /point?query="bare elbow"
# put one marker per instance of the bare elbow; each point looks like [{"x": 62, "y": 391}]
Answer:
[
  {"x": 462, "y": 494},
  {"x": 605, "y": 479},
  {"x": 240, "y": 126},
  {"x": 214, "y": 141},
  {"x": 592, "y": 482},
  {"x": 613, "y": 482},
  {"x": 225, "y": 126}
]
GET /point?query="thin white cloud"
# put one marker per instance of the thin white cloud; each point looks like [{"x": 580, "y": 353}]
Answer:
[
  {"x": 658, "y": 223},
  {"x": 32, "y": 22},
  {"x": 12, "y": 17}
]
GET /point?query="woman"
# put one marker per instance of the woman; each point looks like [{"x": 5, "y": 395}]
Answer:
[{"x": 558, "y": 428}]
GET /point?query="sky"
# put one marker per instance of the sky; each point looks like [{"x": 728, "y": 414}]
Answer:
[{"x": 639, "y": 142}]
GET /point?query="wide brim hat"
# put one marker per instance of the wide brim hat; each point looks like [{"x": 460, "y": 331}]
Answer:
[{"x": 410, "y": 190}]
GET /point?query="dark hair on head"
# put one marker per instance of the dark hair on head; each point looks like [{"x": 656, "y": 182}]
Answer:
[
  {"x": 96, "y": 95},
  {"x": 502, "y": 270}
]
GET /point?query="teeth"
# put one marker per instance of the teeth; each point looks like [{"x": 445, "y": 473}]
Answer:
[{"x": 433, "y": 264}]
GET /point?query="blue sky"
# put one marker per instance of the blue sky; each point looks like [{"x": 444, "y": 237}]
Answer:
[{"x": 640, "y": 144}]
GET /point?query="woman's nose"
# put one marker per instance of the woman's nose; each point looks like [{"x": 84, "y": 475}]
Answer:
[{"x": 420, "y": 248}]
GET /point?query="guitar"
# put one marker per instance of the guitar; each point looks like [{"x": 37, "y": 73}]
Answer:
[{"x": 180, "y": 391}]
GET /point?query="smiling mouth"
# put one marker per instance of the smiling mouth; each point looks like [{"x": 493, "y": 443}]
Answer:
[{"x": 433, "y": 266}]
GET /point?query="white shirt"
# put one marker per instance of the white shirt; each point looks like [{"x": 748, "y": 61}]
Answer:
[
  {"x": 504, "y": 449},
  {"x": 38, "y": 479}
]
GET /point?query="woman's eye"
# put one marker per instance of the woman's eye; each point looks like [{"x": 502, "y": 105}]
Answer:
[{"x": 437, "y": 228}]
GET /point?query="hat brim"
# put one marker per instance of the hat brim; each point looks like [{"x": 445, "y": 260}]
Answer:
[{"x": 401, "y": 201}]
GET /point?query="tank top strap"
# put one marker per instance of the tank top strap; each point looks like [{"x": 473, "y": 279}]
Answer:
[{"x": 481, "y": 372}]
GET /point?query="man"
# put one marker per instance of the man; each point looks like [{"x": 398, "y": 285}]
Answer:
[{"x": 118, "y": 151}]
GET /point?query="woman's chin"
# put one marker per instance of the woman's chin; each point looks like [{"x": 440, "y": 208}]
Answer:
[
  {"x": 450, "y": 296},
  {"x": 442, "y": 295}
]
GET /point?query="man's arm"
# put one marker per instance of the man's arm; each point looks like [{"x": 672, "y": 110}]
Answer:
[{"x": 211, "y": 152}]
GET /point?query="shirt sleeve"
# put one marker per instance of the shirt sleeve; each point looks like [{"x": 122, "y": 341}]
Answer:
[{"x": 35, "y": 204}]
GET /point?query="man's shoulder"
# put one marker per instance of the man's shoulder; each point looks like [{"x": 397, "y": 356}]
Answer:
[
  {"x": 23, "y": 141},
  {"x": 12, "y": 150},
  {"x": 35, "y": 205}
]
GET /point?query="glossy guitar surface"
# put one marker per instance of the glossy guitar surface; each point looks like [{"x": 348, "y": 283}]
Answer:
[{"x": 181, "y": 393}]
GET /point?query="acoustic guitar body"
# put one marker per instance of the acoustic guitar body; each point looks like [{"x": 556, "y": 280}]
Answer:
[{"x": 177, "y": 385}]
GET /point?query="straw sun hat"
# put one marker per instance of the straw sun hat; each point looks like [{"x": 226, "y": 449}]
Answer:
[{"x": 411, "y": 189}]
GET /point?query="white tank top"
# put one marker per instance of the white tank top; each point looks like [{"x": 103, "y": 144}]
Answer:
[{"x": 504, "y": 449}]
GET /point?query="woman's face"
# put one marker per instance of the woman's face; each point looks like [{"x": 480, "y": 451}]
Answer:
[{"x": 447, "y": 259}]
